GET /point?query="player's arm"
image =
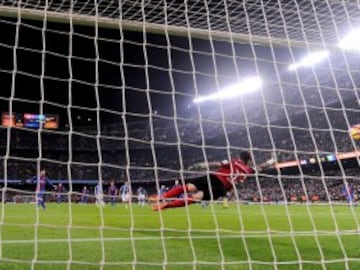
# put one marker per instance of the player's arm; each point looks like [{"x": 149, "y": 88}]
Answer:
[
  {"x": 31, "y": 180},
  {"x": 210, "y": 165},
  {"x": 266, "y": 165},
  {"x": 49, "y": 182}
]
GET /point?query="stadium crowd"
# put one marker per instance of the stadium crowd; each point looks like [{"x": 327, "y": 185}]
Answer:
[{"x": 165, "y": 152}]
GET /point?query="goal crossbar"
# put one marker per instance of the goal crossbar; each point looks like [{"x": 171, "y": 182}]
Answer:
[{"x": 154, "y": 28}]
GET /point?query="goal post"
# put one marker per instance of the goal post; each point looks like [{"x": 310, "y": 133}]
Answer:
[
  {"x": 107, "y": 104},
  {"x": 176, "y": 29}
]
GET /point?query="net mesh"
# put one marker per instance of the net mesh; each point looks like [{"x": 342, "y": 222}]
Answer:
[
  {"x": 291, "y": 21},
  {"x": 121, "y": 77}
]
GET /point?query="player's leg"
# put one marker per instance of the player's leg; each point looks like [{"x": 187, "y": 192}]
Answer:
[
  {"x": 84, "y": 199},
  {"x": 112, "y": 200},
  {"x": 126, "y": 199},
  {"x": 41, "y": 202},
  {"x": 351, "y": 200},
  {"x": 196, "y": 194},
  {"x": 174, "y": 192},
  {"x": 207, "y": 187},
  {"x": 143, "y": 200},
  {"x": 100, "y": 200},
  {"x": 187, "y": 200},
  {"x": 213, "y": 189}
]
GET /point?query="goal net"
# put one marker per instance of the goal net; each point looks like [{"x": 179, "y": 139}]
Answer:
[{"x": 104, "y": 103}]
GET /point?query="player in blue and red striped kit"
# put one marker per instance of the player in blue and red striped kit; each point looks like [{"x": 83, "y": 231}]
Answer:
[
  {"x": 348, "y": 192},
  {"x": 41, "y": 182},
  {"x": 112, "y": 191},
  {"x": 84, "y": 195},
  {"x": 60, "y": 193}
]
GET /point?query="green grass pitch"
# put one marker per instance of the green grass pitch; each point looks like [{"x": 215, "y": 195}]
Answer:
[{"x": 239, "y": 237}]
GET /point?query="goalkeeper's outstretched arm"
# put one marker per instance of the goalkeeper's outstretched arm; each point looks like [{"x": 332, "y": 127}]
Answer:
[
  {"x": 216, "y": 164},
  {"x": 267, "y": 164},
  {"x": 205, "y": 165}
]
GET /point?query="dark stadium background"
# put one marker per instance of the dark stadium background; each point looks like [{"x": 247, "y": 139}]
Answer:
[{"x": 30, "y": 42}]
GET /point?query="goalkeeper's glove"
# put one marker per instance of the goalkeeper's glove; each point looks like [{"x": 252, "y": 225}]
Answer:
[
  {"x": 271, "y": 161},
  {"x": 225, "y": 162}
]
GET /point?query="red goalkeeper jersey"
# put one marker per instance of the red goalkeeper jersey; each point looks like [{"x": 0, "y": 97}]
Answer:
[{"x": 234, "y": 171}]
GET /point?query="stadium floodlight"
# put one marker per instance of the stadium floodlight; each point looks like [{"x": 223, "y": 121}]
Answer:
[
  {"x": 351, "y": 41},
  {"x": 310, "y": 60},
  {"x": 248, "y": 85}
]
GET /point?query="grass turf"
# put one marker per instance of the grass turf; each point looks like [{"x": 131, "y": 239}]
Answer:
[{"x": 239, "y": 237}]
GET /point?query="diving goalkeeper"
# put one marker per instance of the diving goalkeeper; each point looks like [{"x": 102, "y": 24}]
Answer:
[{"x": 212, "y": 185}]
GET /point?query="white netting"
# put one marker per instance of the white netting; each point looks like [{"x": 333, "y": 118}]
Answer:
[
  {"x": 121, "y": 77},
  {"x": 291, "y": 21}
]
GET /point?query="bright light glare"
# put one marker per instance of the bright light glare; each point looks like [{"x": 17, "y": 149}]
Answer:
[
  {"x": 249, "y": 85},
  {"x": 310, "y": 60},
  {"x": 351, "y": 41}
]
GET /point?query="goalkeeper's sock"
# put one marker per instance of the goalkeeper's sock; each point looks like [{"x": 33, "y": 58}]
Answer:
[
  {"x": 176, "y": 203},
  {"x": 181, "y": 202},
  {"x": 174, "y": 192}
]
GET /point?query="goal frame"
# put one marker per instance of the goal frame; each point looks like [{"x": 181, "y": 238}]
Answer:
[{"x": 153, "y": 28}]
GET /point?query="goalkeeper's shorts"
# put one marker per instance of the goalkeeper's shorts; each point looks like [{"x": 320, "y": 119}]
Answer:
[{"x": 212, "y": 186}]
